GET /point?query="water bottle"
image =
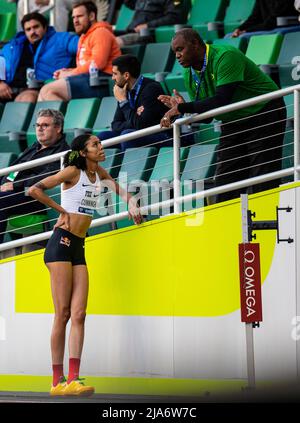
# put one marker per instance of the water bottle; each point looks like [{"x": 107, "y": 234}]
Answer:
[
  {"x": 31, "y": 79},
  {"x": 93, "y": 70}
]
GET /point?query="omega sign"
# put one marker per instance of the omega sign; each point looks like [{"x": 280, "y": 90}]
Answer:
[{"x": 250, "y": 284}]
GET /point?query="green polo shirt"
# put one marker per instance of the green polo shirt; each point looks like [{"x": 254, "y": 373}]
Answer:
[{"x": 225, "y": 65}]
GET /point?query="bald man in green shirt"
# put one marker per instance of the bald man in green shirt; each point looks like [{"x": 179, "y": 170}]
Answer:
[{"x": 251, "y": 138}]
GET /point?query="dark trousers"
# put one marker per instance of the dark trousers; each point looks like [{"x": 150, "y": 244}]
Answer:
[
  {"x": 251, "y": 147},
  {"x": 16, "y": 203}
]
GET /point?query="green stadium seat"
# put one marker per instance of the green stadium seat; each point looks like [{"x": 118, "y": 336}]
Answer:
[
  {"x": 124, "y": 18},
  {"x": 7, "y": 26},
  {"x": 6, "y": 159},
  {"x": 174, "y": 80},
  {"x": 204, "y": 13},
  {"x": 35, "y": 223},
  {"x": 238, "y": 42},
  {"x": 14, "y": 123},
  {"x": 264, "y": 49},
  {"x": 8, "y": 13},
  {"x": 200, "y": 166},
  {"x": 56, "y": 105},
  {"x": 158, "y": 57},
  {"x": 137, "y": 166},
  {"x": 289, "y": 104},
  {"x": 206, "y": 133},
  {"x": 105, "y": 115},
  {"x": 112, "y": 163},
  {"x": 287, "y": 60},
  {"x": 236, "y": 13},
  {"x": 137, "y": 50},
  {"x": 159, "y": 185},
  {"x": 81, "y": 114}
]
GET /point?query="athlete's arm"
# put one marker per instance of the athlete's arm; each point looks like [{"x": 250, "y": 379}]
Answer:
[
  {"x": 133, "y": 208},
  {"x": 37, "y": 190}
]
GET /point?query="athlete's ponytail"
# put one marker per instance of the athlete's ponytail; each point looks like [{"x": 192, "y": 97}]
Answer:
[{"x": 73, "y": 157}]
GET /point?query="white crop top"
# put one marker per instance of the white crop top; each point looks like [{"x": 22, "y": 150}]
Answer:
[{"x": 82, "y": 198}]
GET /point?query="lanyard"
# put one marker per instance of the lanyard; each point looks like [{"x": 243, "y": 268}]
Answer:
[
  {"x": 196, "y": 78},
  {"x": 132, "y": 101}
]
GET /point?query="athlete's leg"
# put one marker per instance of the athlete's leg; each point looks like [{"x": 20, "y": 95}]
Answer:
[
  {"x": 78, "y": 309},
  {"x": 61, "y": 286}
]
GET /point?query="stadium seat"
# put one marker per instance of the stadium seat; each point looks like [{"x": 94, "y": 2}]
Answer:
[
  {"x": 200, "y": 167},
  {"x": 200, "y": 15},
  {"x": 6, "y": 159},
  {"x": 174, "y": 79},
  {"x": 137, "y": 50},
  {"x": 264, "y": 49},
  {"x": 238, "y": 42},
  {"x": 14, "y": 123},
  {"x": 7, "y": 20},
  {"x": 105, "y": 115},
  {"x": 36, "y": 222},
  {"x": 158, "y": 57},
  {"x": 81, "y": 114},
  {"x": 137, "y": 166},
  {"x": 204, "y": 13},
  {"x": 206, "y": 133},
  {"x": 112, "y": 163},
  {"x": 160, "y": 182},
  {"x": 56, "y": 105},
  {"x": 124, "y": 18},
  {"x": 285, "y": 70},
  {"x": 236, "y": 13}
]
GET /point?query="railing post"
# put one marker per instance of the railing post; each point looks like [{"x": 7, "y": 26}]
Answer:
[
  {"x": 52, "y": 15},
  {"x": 296, "y": 134},
  {"x": 26, "y": 7},
  {"x": 176, "y": 167},
  {"x": 248, "y": 326}
]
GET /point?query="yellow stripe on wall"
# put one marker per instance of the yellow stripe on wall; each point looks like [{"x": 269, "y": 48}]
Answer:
[{"x": 171, "y": 266}]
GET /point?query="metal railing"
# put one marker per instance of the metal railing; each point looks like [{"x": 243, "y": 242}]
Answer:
[{"x": 178, "y": 199}]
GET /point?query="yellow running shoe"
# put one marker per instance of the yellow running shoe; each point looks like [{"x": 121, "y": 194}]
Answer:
[
  {"x": 58, "y": 389},
  {"x": 78, "y": 388}
]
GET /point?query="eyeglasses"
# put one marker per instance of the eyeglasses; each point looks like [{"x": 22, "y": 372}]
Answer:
[{"x": 42, "y": 125}]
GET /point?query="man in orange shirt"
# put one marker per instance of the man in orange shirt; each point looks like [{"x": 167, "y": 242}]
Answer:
[{"x": 97, "y": 43}]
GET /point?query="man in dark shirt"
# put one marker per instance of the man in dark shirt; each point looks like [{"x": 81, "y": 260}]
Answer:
[
  {"x": 50, "y": 140},
  {"x": 150, "y": 14},
  {"x": 138, "y": 104},
  {"x": 264, "y": 14}
]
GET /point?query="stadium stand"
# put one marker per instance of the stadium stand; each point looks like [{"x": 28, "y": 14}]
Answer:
[{"x": 14, "y": 123}]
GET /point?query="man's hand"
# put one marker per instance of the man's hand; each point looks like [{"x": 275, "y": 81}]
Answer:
[
  {"x": 166, "y": 121},
  {"x": 8, "y": 186},
  {"x": 120, "y": 93},
  {"x": 5, "y": 91},
  {"x": 171, "y": 101},
  {"x": 62, "y": 73},
  {"x": 236, "y": 33},
  {"x": 138, "y": 28},
  {"x": 140, "y": 110}
]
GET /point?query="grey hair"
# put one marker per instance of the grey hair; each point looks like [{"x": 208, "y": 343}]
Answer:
[{"x": 56, "y": 115}]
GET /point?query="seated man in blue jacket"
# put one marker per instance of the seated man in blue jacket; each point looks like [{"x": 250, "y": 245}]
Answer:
[
  {"x": 138, "y": 105},
  {"x": 40, "y": 48}
]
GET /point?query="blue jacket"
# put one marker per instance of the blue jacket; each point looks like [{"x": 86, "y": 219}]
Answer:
[{"x": 55, "y": 51}]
